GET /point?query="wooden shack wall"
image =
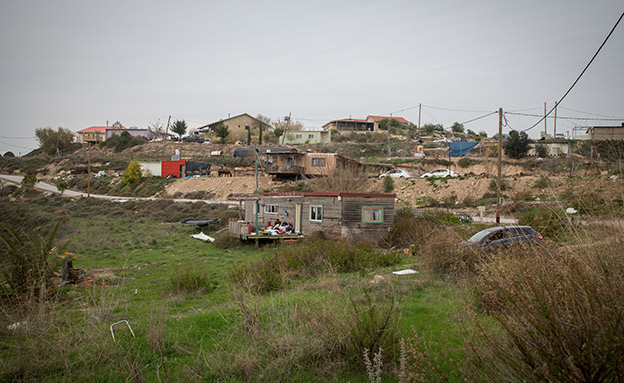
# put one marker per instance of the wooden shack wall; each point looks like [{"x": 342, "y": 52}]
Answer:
[
  {"x": 328, "y": 169},
  {"x": 352, "y": 225},
  {"x": 330, "y": 225}
]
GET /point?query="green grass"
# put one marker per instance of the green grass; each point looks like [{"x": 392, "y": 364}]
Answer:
[{"x": 204, "y": 335}]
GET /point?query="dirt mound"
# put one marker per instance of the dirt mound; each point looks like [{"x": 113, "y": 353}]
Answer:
[{"x": 222, "y": 187}]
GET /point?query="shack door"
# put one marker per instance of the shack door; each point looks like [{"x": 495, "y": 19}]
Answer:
[{"x": 298, "y": 211}]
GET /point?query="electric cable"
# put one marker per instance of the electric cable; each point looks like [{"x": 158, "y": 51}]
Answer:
[{"x": 579, "y": 76}]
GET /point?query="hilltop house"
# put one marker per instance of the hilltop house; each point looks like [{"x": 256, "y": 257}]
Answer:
[
  {"x": 370, "y": 124},
  {"x": 94, "y": 134},
  {"x": 237, "y": 126},
  {"x": 337, "y": 215},
  {"x": 606, "y": 132}
]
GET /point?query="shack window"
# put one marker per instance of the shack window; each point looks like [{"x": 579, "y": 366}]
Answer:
[
  {"x": 318, "y": 161},
  {"x": 310, "y": 135},
  {"x": 372, "y": 214},
  {"x": 316, "y": 213},
  {"x": 298, "y": 135},
  {"x": 270, "y": 209}
]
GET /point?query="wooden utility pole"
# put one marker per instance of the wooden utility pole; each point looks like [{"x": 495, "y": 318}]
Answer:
[
  {"x": 419, "y": 110},
  {"x": 167, "y": 130},
  {"x": 555, "y": 124},
  {"x": 545, "y": 128},
  {"x": 500, "y": 159},
  {"x": 89, "y": 173}
]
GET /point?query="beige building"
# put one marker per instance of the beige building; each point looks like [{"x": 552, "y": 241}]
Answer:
[
  {"x": 237, "y": 126},
  {"x": 606, "y": 132}
]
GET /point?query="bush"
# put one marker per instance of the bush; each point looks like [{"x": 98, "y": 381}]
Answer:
[
  {"x": 464, "y": 162},
  {"x": 494, "y": 184},
  {"x": 190, "y": 280},
  {"x": 543, "y": 182},
  {"x": 132, "y": 175},
  {"x": 388, "y": 184},
  {"x": 28, "y": 263},
  {"x": 313, "y": 257},
  {"x": 29, "y": 181},
  {"x": 558, "y": 313},
  {"x": 548, "y": 222}
]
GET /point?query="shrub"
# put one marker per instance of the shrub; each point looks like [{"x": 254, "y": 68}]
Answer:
[
  {"x": 388, "y": 184},
  {"x": 548, "y": 222},
  {"x": 464, "y": 162},
  {"x": 29, "y": 181},
  {"x": 190, "y": 280},
  {"x": 132, "y": 175},
  {"x": 312, "y": 257},
  {"x": 543, "y": 182},
  {"x": 28, "y": 262},
  {"x": 541, "y": 150},
  {"x": 558, "y": 313},
  {"x": 494, "y": 184}
]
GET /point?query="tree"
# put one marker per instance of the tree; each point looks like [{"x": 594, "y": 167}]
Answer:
[
  {"x": 179, "y": 127},
  {"x": 517, "y": 145},
  {"x": 541, "y": 150},
  {"x": 260, "y": 136},
  {"x": 248, "y": 135},
  {"x": 278, "y": 131},
  {"x": 54, "y": 141},
  {"x": 457, "y": 127},
  {"x": 62, "y": 186},
  {"x": 132, "y": 175},
  {"x": 483, "y": 134},
  {"x": 222, "y": 132},
  {"x": 429, "y": 128},
  {"x": 29, "y": 181},
  {"x": 117, "y": 124},
  {"x": 157, "y": 127}
]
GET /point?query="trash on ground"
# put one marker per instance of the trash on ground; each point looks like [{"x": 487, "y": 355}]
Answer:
[
  {"x": 203, "y": 237},
  {"x": 571, "y": 210},
  {"x": 405, "y": 272}
]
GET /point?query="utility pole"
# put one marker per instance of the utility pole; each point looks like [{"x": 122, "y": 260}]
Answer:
[
  {"x": 257, "y": 193},
  {"x": 500, "y": 158},
  {"x": 419, "y": 110},
  {"x": 89, "y": 173},
  {"x": 167, "y": 130},
  {"x": 555, "y": 124},
  {"x": 545, "y": 128}
]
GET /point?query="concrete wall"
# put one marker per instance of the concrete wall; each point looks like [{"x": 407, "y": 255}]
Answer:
[
  {"x": 299, "y": 137},
  {"x": 146, "y": 133},
  {"x": 153, "y": 167}
]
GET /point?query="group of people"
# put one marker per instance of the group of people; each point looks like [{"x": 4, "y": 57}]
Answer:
[{"x": 279, "y": 228}]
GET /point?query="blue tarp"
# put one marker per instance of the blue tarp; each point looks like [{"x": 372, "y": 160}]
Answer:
[{"x": 460, "y": 149}]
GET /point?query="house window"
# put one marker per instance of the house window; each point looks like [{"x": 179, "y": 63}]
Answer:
[
  {"x": 270, "y": 209},
  {"x": 310, "y": 135},
  {"x": 316, "y": 213},
  {"x": 298, "y": 136},
  {"x": 371, "y": 214},
  {"x": 318, "y": 161}
]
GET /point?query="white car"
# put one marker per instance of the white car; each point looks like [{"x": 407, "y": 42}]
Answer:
[
  {"x": 442, "y": 139},
  {"x": 397, "y": 173},
  {"x": 440, "y": 173}
]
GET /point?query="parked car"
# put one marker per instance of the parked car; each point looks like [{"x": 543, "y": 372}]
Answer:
[
  {"x": 496, "y": 238},
  {"x": 442, "y": 139},
  {"x": 397, "y": 173},
  {"x": 440, "y": 173}
]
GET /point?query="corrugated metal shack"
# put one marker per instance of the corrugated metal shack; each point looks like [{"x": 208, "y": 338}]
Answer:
[{"x": 337, "y": 215}]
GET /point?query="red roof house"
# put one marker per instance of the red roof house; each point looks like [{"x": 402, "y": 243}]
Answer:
[{"x": 94, "y": 134}]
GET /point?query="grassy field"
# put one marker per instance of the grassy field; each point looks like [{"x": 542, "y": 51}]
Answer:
[{"x": 307, "y": 312}]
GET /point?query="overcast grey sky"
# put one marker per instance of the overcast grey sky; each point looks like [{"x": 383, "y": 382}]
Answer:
[{"x": 79, "y": 63}]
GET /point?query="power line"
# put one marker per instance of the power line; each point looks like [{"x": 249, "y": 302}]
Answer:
[
  {"x": 456, "y": 110},
  {"x": 15, "y": 146},
  {"x": 478, "y": 118},
  {"x": 579, "y": 76},
  {"x": 18, "y": 138},
  {"x": 565, "y": 117},
  {"x": 590, "y": 114}
]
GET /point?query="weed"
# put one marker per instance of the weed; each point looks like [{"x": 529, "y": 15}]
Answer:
[
  {"x": 558, "y": 313},
  {"x": 543, "y": 182},
  {"x": 190, "y": 280},
  {"x": 388, "y": 184}
]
